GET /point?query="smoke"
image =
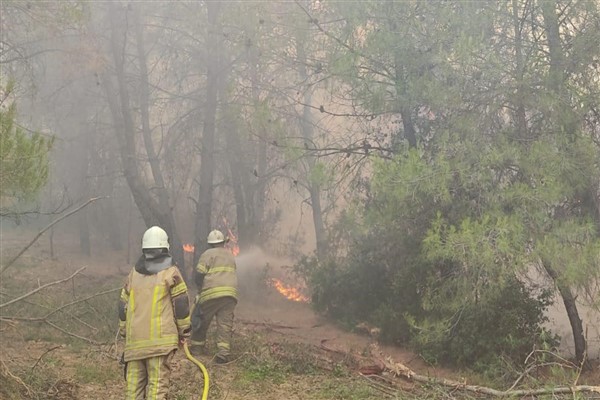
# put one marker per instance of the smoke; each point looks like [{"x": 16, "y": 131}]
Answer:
[
  {"x": 558, "y": 320},
  {"x": 255, "y": 267}
]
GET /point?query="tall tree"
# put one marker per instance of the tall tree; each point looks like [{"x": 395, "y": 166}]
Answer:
[
  {"x": 154, "y": 211},
  {"x": 492, "y": 178},
  {"x": 207, "y": 147}
]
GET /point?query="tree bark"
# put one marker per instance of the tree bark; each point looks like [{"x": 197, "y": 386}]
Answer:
[
  {"x": 160, "y": 187},
  {"x": 314, "y": 188},
  {"x": 566, "y": 122},
  {"x": 573, "y": 314},
  {"x": 153, "y": 212},
  {"x": 207, "y": 160}
]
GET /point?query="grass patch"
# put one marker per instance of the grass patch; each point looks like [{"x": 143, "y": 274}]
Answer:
[
  {"x": 265, "y": 371},
  {"x": 92, "y": 372},
  {"x": 347, "y": 389}
]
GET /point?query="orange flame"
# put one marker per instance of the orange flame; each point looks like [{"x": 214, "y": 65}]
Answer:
[
  {"x": 188, "y": 248},
  {"x": 289, "y": 292},
  {"x": 233, "y": 241}
]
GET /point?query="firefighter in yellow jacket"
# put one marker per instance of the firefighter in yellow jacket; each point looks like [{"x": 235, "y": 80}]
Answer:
[
  {"x": 216, "y": 279},
  {"x": 154, "y": 318}
]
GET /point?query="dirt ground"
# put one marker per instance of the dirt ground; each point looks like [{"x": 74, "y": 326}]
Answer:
[{"x": 263, "y": 316}]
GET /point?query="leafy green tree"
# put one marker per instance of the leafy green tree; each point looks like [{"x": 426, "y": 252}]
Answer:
[
  {"x": 23, "y": 161},
  {"x": 498, "y": 173}
]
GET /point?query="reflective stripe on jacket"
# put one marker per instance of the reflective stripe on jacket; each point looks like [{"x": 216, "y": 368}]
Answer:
[
  {"x": 151, "y": 326},
  {"x": 220, "y": 274}
]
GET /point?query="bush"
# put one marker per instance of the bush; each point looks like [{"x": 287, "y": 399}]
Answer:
[
  {"x": 500, "y": 321},
  {"x": 505, "y": 323}
]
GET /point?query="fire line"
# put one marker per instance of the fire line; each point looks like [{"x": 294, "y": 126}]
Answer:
[{"x": 289, "y": 292}]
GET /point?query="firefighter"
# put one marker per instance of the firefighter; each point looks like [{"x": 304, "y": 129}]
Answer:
[
  {"x": 154, "y": 318},
  {"x": 216, "y": 279}
]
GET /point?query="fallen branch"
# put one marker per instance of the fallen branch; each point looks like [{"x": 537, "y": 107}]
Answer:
[
  {"x": 6, "y": 372},
  {"x": 401, "y": 370},
  {"x": 40, "y": 288},
  {"x": 90, "y": 341},
  {"x": 383, "y": 388},
  {"x": 45, "y": 319},
  {"x": 40, "y": 233},
  {"x": 54, "y": 311},
  {"x": 43, "y": 354}
]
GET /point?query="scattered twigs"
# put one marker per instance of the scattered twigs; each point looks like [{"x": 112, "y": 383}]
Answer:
[
  {"x": 43, "y": 354},
  {"x": 375, "y": 384},
  {"x": 80, "y": 301},
  {"x": 6, "y": 372},
  {"x": 91, "y": 341},
  {"x": 40, "y": 288},
  {"x": 46, "y": 317},
  {"x": 330, "y": 349},
  {"x": 40, "y": 233},
  {"x": 400, "y": 370},
  {"x": 534, "y": 365}
]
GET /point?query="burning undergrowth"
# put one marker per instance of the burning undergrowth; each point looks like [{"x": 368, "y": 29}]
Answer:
[{"x": 261, "y": 275}]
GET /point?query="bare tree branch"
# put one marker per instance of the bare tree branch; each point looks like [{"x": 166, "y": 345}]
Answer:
[
  {"x": 52, "y": 324},
  {"x": 15, "y": 258},
  {"x": 43, "y": 354},
  {"x": 40, "y": 288},
  {"x": 400, "y": 370},
  {"x": 54, "y": 311}
]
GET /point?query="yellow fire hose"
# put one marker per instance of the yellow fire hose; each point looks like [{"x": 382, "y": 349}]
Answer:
[{"x": 202, "y": 368}]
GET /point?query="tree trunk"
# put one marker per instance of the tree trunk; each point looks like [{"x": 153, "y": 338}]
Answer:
[
  {"x": 84, "y": 234},
  {"x": 314, "y": 188},
  {"x": 573, "y": 314},
  {"x": 153, "y": 212},
  {"x": 248, "y": 165},
  {"x": 159, "y": 187},
  {"x": 565, "y": 119},
  {"x": 207, "y": 161},
  {"x": 520, "y": 113},
  {"x": 556, "y": 75}
]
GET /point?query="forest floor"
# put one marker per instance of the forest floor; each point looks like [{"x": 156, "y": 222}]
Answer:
[{"x": 281, "y": 348}]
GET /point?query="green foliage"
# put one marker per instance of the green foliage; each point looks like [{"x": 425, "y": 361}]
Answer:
[
  {"x": 23, "y": 160},
  {"x": 503, "y": 323},
  {"x": 271, "y": 372},
  {"x": 345, "y": 390}
]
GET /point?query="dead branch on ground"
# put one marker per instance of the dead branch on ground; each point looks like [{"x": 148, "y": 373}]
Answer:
[
  {"x": 6, "y": 372},
  {"x": 43, "y": 354},
  {"x": 401, "y": 370},
  {"x": 54, "y": 311},
  {"x": 40, "y": 288},
  {"x": 40, "y": 233},
  {"x": 381, "y": 387},
  {"x": 66, "y": 332},
  {"x": 45, "y": 318}
]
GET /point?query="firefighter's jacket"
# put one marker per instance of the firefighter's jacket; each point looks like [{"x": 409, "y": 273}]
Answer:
[
  {"x": 218, "y": 270},
  {"x": 153, "y": 309}
]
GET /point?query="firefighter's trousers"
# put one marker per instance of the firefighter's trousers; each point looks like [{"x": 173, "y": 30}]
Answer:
[
  {"x": 222, "y": 310},
  {"x": 148, "y": 379}
]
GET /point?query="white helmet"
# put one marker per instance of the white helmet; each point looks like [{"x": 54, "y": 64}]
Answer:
[
  {"x": 155, "y": 238},
  {"x": 215, "y": 237}
]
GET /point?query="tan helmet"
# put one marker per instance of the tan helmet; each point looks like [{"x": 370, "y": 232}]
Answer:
[
  {"x": 215, "y": 237},
  {"x": 155, "y": 238}
]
